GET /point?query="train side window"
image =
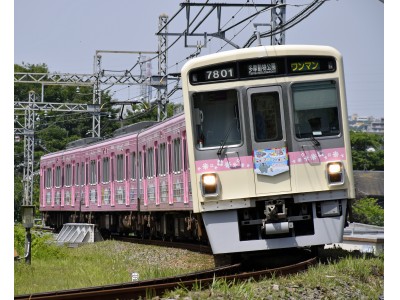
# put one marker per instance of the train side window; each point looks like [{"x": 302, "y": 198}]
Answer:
[
  {"x": 162, "y": 168},
  {"x": 77, "y": 169},
  {"x": 83, "y": 174},
  {"x": 127, "y": 166},
  {"x": 68, "y": 174},
  {"x": 106, "y": 169},
  {"x": 177, "y": 166},
  {"x": 133, "y": 165},
  {"x": 169, "y": 155},
  {"x": 150, "y": 162},
  {"x": 58, "y": 177},
  {"x": 156, "y": 159},
  {"x": 185, "y": 156},
  {"x": 140, "y": 165},
  {"x": 86, "y": 174},
  {"x": 98, "y": 171},
  {"x": 49, "y": 177},
  {"x": 93, "y": 172},
  {"x": 120, "y": 167},
  {"x": 316, "y": 109}
]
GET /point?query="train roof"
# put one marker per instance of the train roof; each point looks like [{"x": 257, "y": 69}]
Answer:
[
  {"x": 122, "y": 134},
  {"x": 133, "y": 128}
]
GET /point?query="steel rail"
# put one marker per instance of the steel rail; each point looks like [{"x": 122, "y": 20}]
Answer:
[{"x": 159, "y": 286}]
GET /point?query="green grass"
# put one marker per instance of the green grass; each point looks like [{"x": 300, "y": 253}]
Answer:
[
  {"x": 101, "y": 263},
  {"x": 347, "y": 276},
  {"x": 339, "y": 275}
]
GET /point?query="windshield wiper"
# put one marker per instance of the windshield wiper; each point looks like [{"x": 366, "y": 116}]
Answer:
[
  {"x": 314, "y": 140},
  {"x": 223, "y": 142}
]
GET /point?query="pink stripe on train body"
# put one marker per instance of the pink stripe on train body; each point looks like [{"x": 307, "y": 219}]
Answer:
[{"x": 295, "y": 158}]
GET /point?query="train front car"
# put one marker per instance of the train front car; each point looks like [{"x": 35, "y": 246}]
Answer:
[{"x": 269, "y": 147}]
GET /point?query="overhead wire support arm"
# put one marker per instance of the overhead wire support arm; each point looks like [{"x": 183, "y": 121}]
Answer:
[{"x": 213, "y": 6}]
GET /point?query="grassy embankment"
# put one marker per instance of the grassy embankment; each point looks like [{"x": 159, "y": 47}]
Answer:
[{"x": 342, "y": 275}]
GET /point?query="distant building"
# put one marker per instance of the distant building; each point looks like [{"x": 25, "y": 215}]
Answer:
[
  {"x": 366, "y": 124},
  {"x": 377, "y": 126}
]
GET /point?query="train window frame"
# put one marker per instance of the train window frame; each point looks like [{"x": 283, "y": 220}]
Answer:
[
  {"x": 315, "y": 116},
  {"x": 201, "y": 134}
]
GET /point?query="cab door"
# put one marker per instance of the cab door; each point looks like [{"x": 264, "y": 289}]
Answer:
[{"x": 269, "y": 149}]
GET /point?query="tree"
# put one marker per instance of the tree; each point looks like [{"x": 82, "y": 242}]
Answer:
[
  {"x": 54, "y": 130},
  {"x": 367, "y": 151}
]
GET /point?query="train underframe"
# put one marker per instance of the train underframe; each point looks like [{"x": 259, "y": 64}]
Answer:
[
  {"x": 179, "y": 225},
  {"x": 267, "y": 226}
]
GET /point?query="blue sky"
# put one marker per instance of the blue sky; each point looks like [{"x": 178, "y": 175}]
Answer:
[{"x": 65, "y": 35}]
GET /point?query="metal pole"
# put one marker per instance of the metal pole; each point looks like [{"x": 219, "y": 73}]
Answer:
[
  {"x": 28, "y": 246},
  {"x": 162, "y": 96},
  {"x": 278, "y": 18}
]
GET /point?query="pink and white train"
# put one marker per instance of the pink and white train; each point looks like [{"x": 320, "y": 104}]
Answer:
[{"x": 259, "y": 160}]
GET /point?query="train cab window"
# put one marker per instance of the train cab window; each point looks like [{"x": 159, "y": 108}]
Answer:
[
  {"x": 216, "y": 119},
  {"x": 106, "y": 169},
  {"x": 266, "y": 117},
  {"x": 316, "y": 109}
]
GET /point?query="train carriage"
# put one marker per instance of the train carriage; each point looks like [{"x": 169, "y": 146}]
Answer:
[
  {"x": 259, "y": 160},
  {"x": 269, "y": 146}
]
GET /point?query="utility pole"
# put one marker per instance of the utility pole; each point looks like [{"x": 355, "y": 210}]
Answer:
[
  {"x": 278, "y": 18},
  {"x": 27, "y": 204},
  {"x": 162, "y": 93}
]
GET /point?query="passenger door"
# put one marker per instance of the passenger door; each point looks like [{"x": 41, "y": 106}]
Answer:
[{"x": 269, "y": 149}]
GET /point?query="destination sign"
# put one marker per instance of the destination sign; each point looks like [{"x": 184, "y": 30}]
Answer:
[
  {"x": 262, "y": 68},
  {"x": 305, "y": 66}
]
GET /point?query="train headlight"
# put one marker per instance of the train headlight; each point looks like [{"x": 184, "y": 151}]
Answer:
[
  {"x": 209, "y": 185},
  {"x": 335, "y": 173}
]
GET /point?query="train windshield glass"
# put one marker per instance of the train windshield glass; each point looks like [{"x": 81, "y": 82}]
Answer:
[
  {"x": 216, "y": 119},
  {"x": 266, "y": 117},
  {"x": 316, "y": 109}
]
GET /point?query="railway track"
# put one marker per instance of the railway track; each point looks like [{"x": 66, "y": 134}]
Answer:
[
  {"x": 195, "y": 247},
  {"x": 156, "y": 287}
]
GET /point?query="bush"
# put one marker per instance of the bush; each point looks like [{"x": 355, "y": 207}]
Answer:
[
  {"x": 367, "y": 211},
  {"x": 42, "y": 246}
]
